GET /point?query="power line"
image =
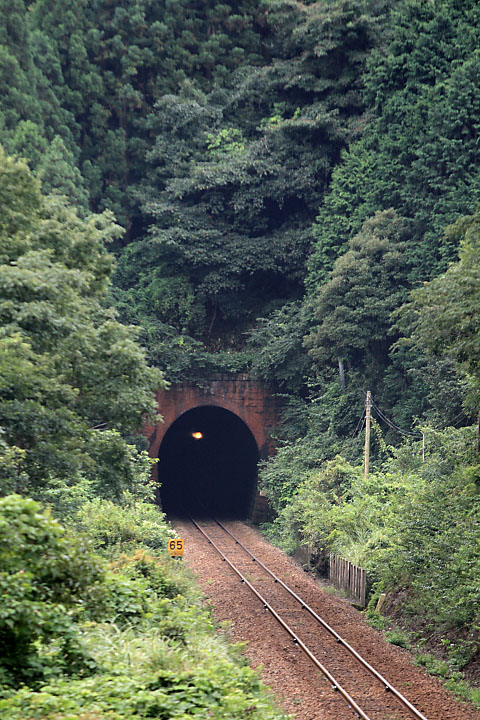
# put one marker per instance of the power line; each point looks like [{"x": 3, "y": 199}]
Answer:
[
  {"x": 393, "y": 425},
  {"x": 461, "y": 417},
  {"x": 358, "y": 429}
]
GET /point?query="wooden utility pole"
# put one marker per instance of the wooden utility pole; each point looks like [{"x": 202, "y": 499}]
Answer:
[
  {"x": 368, "y": 417},
  {"x": 341, "y": 370}
]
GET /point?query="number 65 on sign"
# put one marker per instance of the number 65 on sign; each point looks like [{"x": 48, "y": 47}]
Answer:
[{"x": 176, "y": 548}]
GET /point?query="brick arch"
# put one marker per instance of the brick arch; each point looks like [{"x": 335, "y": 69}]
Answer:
[{"x": 252, "y": 401}]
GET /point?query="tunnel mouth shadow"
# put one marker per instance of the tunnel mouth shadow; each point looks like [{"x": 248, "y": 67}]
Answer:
[{"x": 207, "y": 465}]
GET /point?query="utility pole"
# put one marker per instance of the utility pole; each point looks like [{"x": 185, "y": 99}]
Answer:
[
  {"x": 341, "y": 370},
  {"x": 368, "y": 416}
]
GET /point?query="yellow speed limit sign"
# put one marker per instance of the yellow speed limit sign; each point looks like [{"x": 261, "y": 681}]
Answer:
[{"x": 176, "y": 548}]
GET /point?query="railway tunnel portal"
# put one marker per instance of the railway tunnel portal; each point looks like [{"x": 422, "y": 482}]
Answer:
[{"x": 209, "y": 444}]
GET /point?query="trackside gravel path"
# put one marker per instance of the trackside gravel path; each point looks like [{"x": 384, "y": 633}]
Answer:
[{"x": 300, "y": 686}]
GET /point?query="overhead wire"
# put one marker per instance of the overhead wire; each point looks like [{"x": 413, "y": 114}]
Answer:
[
  {"x": 393, "y": 425},
  {"x": 461, "y": 417},
  {"x": 360, "y": 426}
]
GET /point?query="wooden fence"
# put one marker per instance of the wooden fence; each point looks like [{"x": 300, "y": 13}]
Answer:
[{"x": 349, "y": 577}]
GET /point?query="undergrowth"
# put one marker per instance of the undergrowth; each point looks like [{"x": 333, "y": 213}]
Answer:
[
  {"x": 124, "y": 634},
  {"x": 412, "y": 524}
]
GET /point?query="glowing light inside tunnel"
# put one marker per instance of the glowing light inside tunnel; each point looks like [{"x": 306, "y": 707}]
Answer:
[{"x": 212, "y": 471}]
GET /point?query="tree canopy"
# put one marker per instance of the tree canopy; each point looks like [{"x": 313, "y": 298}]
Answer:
[
  {"x": 70, "y": 372},
  {"x": 418, "y": 152},
  {"x": 442, "y": 315}
]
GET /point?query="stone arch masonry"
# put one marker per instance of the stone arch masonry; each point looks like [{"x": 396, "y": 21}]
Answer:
[{"x": 252, "y": 401}]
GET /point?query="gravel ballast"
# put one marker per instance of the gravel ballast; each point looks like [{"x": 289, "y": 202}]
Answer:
[{"x": 300, "y": 687}]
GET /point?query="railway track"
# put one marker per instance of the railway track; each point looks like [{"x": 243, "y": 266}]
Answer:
[{"x": 364, "y": 690}]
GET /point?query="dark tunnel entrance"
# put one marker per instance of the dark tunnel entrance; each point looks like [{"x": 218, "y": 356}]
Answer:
[{"x": 208, "y": 465}]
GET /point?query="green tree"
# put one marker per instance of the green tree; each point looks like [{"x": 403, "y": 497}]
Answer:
[
  {"x": 59, "y": 174},
  {"x": 46, "y": 576},
  {"x": 418, "y": 152},
  {"x": 235, "y": 178},
  {"x": 442, "y": 316},
  {"x": 277, "y": 342},
  {"x": 109, "y": 64},
  {"x": 31, "y": 111},
  {"x": 352, "y": 311},
  {"x": 17, "y": 75},
  {"x": 69, "y": 369}
]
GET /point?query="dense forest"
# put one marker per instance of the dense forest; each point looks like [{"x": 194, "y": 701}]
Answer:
[{"x": 285, "y": 189}]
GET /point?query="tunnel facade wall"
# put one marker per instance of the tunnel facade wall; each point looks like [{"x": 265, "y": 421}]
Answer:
[{"x": 252, "y": 401}]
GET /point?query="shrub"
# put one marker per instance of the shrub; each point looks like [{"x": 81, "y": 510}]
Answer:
[
  {"x": 112, "y": 526},
  {"x": 148, "y": 640},
  {"x": 45, "y": 578},
  {"x": 412, "y": 524}
]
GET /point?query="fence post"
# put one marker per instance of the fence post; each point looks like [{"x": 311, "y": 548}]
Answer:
[{"x": 347, "y": 576}]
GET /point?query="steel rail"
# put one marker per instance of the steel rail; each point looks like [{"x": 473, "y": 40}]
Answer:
[
  {"x": 388, "y": 687},
  {"x": 335, "y": 685}
]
